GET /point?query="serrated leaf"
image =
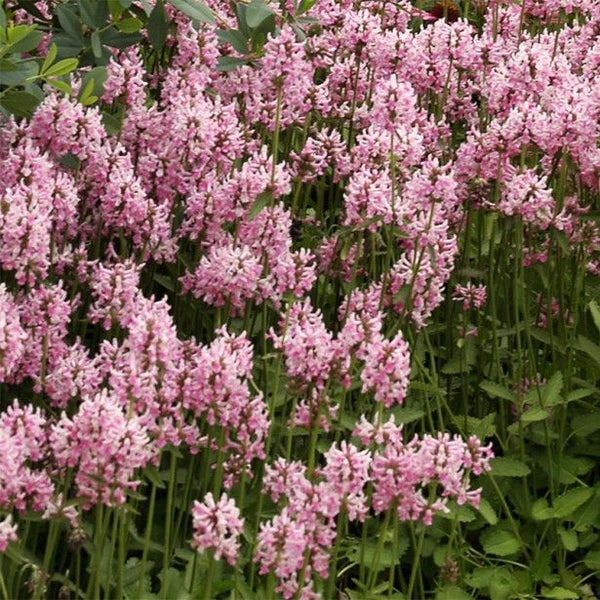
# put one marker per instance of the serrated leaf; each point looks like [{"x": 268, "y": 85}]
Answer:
[
  {"x": 158, "y": 26},
  {"x": 569, "y": 502},
  {"x": 569, "y": 540},
  {"x": 541, "y": 511},
  {"x": 551, "y": 394},
  {"x": 256, "y": 12},
  {"x": 578, "y": 394},
  {"x": 487, "y": 512},
  {"x": 194, "y": 9},
  {"x": 500, "y": 542},
  {"x": 497, "y": 391},
  {"x": 509, "y": 467},
  {"x": 534, "y": 414},
  {"x": 452, "y": 592},
  {"x": 585, "y": 424}
]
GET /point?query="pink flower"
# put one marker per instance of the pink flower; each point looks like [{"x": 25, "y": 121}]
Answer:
[
  {"x": 8, "y": 533},
  {"x": 217, "y": 526}
]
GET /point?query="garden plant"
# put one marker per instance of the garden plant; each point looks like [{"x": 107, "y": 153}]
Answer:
[{"x": 299, "y": 299}]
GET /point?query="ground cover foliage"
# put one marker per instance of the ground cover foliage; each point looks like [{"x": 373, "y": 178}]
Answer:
[{"x": 299, "y": 299}]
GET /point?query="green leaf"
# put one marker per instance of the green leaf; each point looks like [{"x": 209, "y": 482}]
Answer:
[
  {"x": 50, "y": 57},
  {"x": 585, "y": 424},
  {"x": 578, "y": 394},
  {"x": 541, "y": 511},
  {"x": 130, "y": 25},
  {"x": 559, "y": 593},
  {"x": 26, "y": 44},
  {"x": 195, "y": 9},
  {"x": 235, "y": 38},
  {"x": 509, "y": 467},
  {"x": 158, "y": 26},
  {"x": 262, "y": 200},
  {"x": 165, "y": 281},
  {"x": 488, "y": 512},
  {"x": 69, "y": 22},
  {"x": 93, "y": 13},
  {"x": 452, "y": 592},
  {"x": 22, "y": 72},
  {"x": 2, "y": 17},
  {"x": 256, "y": 12},
  {"x": 21, "y": 104},
  {"x": 229, "y": 63},
  {"x": 592, "y": 560},
  {"x": 86, "y": 96},
  {"x": 568, "y": 503},
  {"x": 116, "y": 39},
  {"x": 587, "y": 346},
  {"x": 551, "y": 394},
  {"x": 569, "y": 540},
  {"x": 67, "y": 46},
  {"x": 496, "y": 390},
  {"x": 595, "y": 310},
  {"x": 500, "y": 542},
  {"x": 97, "y": 76},
  {"x": 62, "y": 67},
  {"x": 96, "y": 44},
  {"x": 60, "y": 85},
  {"x": 534, "y": 414}
]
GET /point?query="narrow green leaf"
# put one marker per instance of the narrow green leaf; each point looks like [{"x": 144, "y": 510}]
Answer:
[
  {"x": 595, "y": 310},
  {"x": 195, "y": 9},
  {"x": 96, "y": 44},
  {"x": 62, "y": 67},
  {"x": 50, "y": 57},
  {"x": 62, "y": 86},
  {"x": 262, "y": 200},
  {"x": 69, "y": 22},
  {"x": 158, "y": 26}
]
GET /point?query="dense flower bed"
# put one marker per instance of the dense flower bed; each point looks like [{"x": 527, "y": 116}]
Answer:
[{"x": 275, "y": 278}]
